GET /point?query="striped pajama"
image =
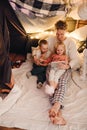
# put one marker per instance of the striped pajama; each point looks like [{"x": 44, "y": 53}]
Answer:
[{"x": 59, "y": 93}]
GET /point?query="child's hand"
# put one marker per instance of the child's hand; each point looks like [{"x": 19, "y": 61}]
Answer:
[
  {"x": 36, "y": 61},
  {"x": 63, "y": 66},
  {"x": 41, "y": 60},
  {"x": 43, "y": 64}
]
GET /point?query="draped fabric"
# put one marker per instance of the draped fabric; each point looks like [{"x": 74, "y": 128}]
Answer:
[
  {"x": 5, "y": 64},
  {"x": 47, "y": 8},
  {"x": 40, "y": 8}
]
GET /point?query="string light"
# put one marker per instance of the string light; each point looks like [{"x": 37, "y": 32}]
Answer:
[{"x": 42, "y": 34}]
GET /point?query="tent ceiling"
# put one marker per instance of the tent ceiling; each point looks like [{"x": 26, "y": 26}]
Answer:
[{"x": 36, "y": 19}]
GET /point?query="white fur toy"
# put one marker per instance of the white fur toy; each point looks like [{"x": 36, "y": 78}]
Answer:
[{"x": 49, "y": 90}]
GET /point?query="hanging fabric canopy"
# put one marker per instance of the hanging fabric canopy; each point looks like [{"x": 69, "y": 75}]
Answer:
[{"x": 40, "y": 15}]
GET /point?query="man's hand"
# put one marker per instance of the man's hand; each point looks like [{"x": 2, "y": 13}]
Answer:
[{"x": 63, "y": 66}]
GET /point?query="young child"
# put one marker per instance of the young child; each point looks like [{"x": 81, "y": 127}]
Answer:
[
  {"x": 56, "y": 60},
  {"x": 40, "y": 54}
]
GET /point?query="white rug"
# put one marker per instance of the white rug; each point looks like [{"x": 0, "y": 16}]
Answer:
[{"x": 27, "y": 107}]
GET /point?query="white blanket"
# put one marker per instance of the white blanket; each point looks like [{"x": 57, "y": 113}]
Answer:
[{"x": 27, "y": 107}]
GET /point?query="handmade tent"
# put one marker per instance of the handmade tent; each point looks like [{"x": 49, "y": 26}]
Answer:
[
  {"x": 29, "y": 17},
  {"x": 25, "y": 106}
]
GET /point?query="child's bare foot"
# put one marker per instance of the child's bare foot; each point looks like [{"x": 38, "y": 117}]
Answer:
[{"x": 54, "y": 110}]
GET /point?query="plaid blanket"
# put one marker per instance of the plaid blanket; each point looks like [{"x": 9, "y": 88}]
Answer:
[{"x": 41, "y": 8}]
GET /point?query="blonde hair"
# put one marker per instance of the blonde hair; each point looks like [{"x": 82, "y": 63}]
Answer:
[{"x": 60, "y": 44}]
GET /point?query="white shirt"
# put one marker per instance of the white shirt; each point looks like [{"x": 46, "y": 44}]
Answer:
[
  {"x": 71, "y": 50},
  {"x": 36, "y": 51}
]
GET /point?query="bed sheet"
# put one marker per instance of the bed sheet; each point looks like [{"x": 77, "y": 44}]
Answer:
[{"x": 27, "y": 107}]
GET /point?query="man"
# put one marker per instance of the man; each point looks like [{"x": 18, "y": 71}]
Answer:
[
  {"x": 6, "y": 78},
  {"x": 57, "y": 98}
]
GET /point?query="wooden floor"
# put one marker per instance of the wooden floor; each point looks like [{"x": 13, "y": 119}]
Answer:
[{"x": 5, "y": 128}]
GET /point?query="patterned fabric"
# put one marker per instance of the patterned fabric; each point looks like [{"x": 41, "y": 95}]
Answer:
[
  {"x": 60, "y": 91},
  {"x": 39, "y": 7}
]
